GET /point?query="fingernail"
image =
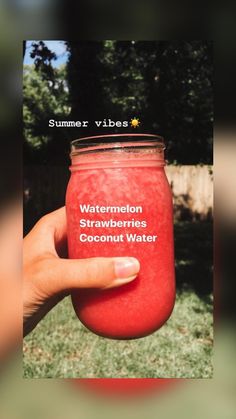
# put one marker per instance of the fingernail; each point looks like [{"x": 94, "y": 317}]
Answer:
[
  {"x": 126, "y": 267},
  {"x": 118, "y": 281}
]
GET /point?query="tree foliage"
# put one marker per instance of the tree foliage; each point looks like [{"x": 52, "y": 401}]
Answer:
[
  {"x": 42, "y": 99},
  {"x": 167, "y": 84},
  {"x": 43, "y": 58}
]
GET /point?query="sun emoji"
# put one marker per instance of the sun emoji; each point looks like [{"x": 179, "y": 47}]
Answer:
[{"x": 134, "y": 122}]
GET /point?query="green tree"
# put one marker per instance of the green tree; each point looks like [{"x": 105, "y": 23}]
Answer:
[
  {"x": 43, "y": 99},
  {"x": 85, "y": 75},
  {"x": 167, "y": 84},
  {"x": 186, "y": 84}
]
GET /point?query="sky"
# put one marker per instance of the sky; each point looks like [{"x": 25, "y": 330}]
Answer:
[{"x": 58, "y": 47}]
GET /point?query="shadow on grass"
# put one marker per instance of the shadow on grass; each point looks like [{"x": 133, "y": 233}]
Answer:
[{"x": 193, "y": 257}]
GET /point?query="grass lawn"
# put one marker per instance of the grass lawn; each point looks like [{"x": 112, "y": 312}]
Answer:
[{"x": 62, "y": 347}]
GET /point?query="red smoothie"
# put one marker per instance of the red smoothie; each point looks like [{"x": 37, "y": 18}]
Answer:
[{"x": 119, "y": 203}]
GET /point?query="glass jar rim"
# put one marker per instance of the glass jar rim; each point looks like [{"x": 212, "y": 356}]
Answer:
[{"x": 109, "y": 141}]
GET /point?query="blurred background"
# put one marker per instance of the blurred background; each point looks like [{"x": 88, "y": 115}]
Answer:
[
  {"x": 57, "y": 19},
  {"x": 168, "y": 85}
]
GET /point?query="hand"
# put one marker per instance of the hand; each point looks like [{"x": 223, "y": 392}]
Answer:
[
  {"x": 10, "y": 279},
  {"x": 49, "y": 276}
]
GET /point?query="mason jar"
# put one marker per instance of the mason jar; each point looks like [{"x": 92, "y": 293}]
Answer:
[{"x": 119, "y": 203}]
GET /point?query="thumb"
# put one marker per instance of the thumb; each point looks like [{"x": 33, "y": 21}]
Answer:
[{"x": 101, "y": 273}]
